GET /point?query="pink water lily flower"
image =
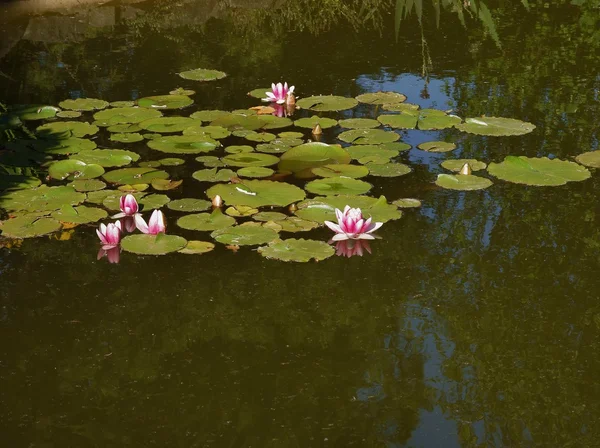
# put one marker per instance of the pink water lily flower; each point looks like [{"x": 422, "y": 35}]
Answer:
[
  {"x": 128, "y": 206},
  {"x": 350, "y": 248},
  {"x": 155, "y": 226},
  {"x": 109, "y": 235},
  {"x": 352, "y": 226},
  {"x": 128, "y": 224},
  {"x": 280, "y": 93},
  {"x": 113, "y": 254}
]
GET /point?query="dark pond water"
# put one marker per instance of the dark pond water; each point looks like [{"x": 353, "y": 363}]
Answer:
[{"x": 474, "y": 322}]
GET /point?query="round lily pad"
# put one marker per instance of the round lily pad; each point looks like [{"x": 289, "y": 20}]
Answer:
[
  {"x": 274, "y": 122},
  {"x": 134, "y": 175},
  {"x": 495, "y": 126},
  {"x": 71, "y": 145},
  {"x": 407, "y": 203},
  {"x": 154, "y": 201},
  {"x": 127, "y": 188},
  {"x": 18, "y": 182},
  {"x": 368, "y": 136},
  {"x": 338, "y": 185},
  {"x": 323, "y": 208},
  {"x": 381, "y": 98},
  {"x": 367, "y": 153},
  {"x": 29, "y": 226},
  {"x": 168, "y": 124},
  {"x": 388, "y": 169},
  {"x": 182, "y": 91},
  {"x": 437, "y": 146},
  {"x": 538, "y": 171},
  {"x": 259, "y": 137},
  {"x": 269, "y": 216},
  {"x": 210, "y": 161},
  {"x": 165, "y": 184},
  {"x": 122, "y": 104},
  {"x": 84, "y": 104},
  {"x": 194, "y": 247},
  {"x": 130, "y": 137},
  {"x": 235, "y": 122},
  {"x": 108, "y": 157},
  {"x": 202, "y": 74},
  {"x": 238, "y": 149},
  {"x": 399, "y": 107},
  {"x": 164, "y": 102},
  {"x": 295, "y": 224},
  {"x": 74, "y": 169},
  {"x": 183, "y": 144},
  {"x": 189, "y": 205},
  {"x": 259, "y": 93},
  {"x": 171, "y": 161},
  {"x": 216, "y": 132},
  {"x": 34, "y": 112},
  {"x": 257, "y": 193},
  {"x": 88, "y": 184},
  {"x": 359, "y": 123},
  {"x": 213, "y": 175},
  {"x": 298, "y": 250},
  {"x": 79, "y": 215},
  {"x": 433, "y": 119},
  {"x": 405, "y": 120},
  {"x": 462, "y": 182},
  {"x": 457, "y": 164},
  {"x": 293, "y": 135},
  {"x": 206, "y": 221},
  {"x": 98, "y": 197},
  {"x": 591, "y": 159},
  {"x": 150, "y": 164},
  {"x": 277, "y": 146},
  {"x": 209, "y": 115},
  {"x": 250, "y": 159},
  {"x": 255, "y": 171},
  {"x": 124, "y": 115},
  {"x": 311, "y": 155},
  {"x": 324, "y": 103},
  {"x": 244, "y": 235},
  {"x": 65, "y": 129},
  {"x": 160, "y": 244},
  {"x": 341, "y": 169},
  {"x": 124, "y": 128},
  {"x": 311, "y": 122},
  {"x": 68, "y": 114},
  {"x": 240, "y": 211}
]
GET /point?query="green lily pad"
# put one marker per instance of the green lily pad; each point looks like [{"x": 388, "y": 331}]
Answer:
[
  {"x": 134, "y": 175},
  {"x": 68, "y": 114},
  {"x": 29, "y": 226},
  {"x": 341, "y": 169},
  {"x": 206, "y": 221},
  {"x": 183, "y": 144},
  {"x": 255, "y": 171},
  {"x": 189, "y": 205},
  {"x": 311, "y": 122},
  {"x": 400, "y": 107},
  {"x": 323, "y": 208},
  {"x": 405, "y": 120},
  {"x": 213, "y": 175},
  {"x": 437, "y": 146},
  {"x": 235, "y": 122},
  {"x": 194, "y": 247},
  {"x": 215, "y": 132},
  {"x": 124, "y": 128},
  {"x": 257, "y": 193},
  {"x": 160, "y": 244},
  {"x": 338, "y": 185},
  {"x": 154, "y": 201},
  {"x": 20, "y": 156},
  {"x": 366, "y": 153},
  {"x": 42, "y": 198},
  {"x": 368, "y": 136},
  {"x": 457, "y": 164},
  {"x": 462, "y": 182},
  {"x": 407, "y": 203},
  {"x": 269, "y": 216},
  {"x": 98, "y": 197},
  {"x": 164, "y": 102},
  {"x": 131, "y": 137},
  {"x": 79, "y": 215},
  {"x": 495, "y": 126},
  {"x": 127, "y": 188},
  {"x": 433, "y": 119},
  {"x": 150, "y": 164},
  {"x": 18, "y": 182},
  {"x": 238, "y": 149},
  {"x": 240, "y": 211},
  {"x": 388, "y": 169},
  {"x": 165, "y": 184},
  {"x": 202, "y": 74},
  {"x": 211, "y": 161},
  {"x": 84, "y": 104},
  {"x": 591, "y": 159},
  {"x": 259, "y": 137},
  {"x": 274, "y": 122},
  {"x": 259, "y": 93},
  {"x": 124, "y": 115},
  {"x": 108, "y": 158},
  {"x": 182, "y": 91},
  {"x": 298, "y": 250},
  {"x": 250, "y": 159},
  {"x": 74, "y": 169},
  {"x": 86, "y": 185},
  {"x": 359, "y": 123},
  {"x": 324, "y": 103},
  {"x": 71, "y": 145},
  {"x": 151, "y": 135},
  {"x": 34, "y": 112},
  {"x": 381, "y": 98},
  {"x": 277, "y": 146},
  {"x": 65, "y": 129},
  {"x": 290, "y": 135},
  {"x": 168, "y": 124},
  {"x": 538, "y": 171},
  {"x": 307, "y": 156},
  {"x": 122, "y": 104},
  {"x": 209, "y": 115},
  {"x": 171, "y": 161},
  {"x": 244, "y": 235},
  {"x": 295, "y": 224}
]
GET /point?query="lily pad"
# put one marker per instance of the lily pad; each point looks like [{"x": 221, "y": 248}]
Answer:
[
  {"x": 462, "y": 182},
  {"x": 79, "y": 215},
  {"x": 257, "y": 193},
  {"x": 259, "y": 93},
  {"x": 130, "y": 137},
  {"x": 381, "y": 98},
  {"x": 206, "y": 221},
  {"x": 591, "y": 159},
  {"x": 433, "y": 119},
  {"x": 269, "y": 216},
  {"x": 189, "y": 205},
  {"x": 165, "y": 184},
  {"x": 388, "y": 169},
  {"x": 250, "y": 159},
  {"x": 68, "y": 114},
  {"x": 160, "y": 244},
  {"x": 240, "y": 211},
  {"x": 210, "y": 161},
  {"x": 293, "y": 135},
  {"x": 341, "y": 169},
  {"x": 337, "y": 185},
  {"x": 84, "y": 104},
  {"x": 259, "y": 137},
  {"x": 298, "y": 250},
  {"x": 295, "y": 224},
  {"x": 42, "y": 198},
  {"x": 124, "y": 115},
  {"x": 368, "y": 136},
  {"x": 29, "y": 226},
  {"x": 194, "y": 247},
  {"x": 359, "y": 123},
  {"x": 182, "y": 91},
  {"x": 108, "y": 157},
  {"x": 457, "y": 164},
  {"x": 168, "y": 124},
  {"x": 122, "y": 104},
  {"x": 164, "y": 102},
  {"x": 311, "y": 122},
  {"x": 538, "y": 171},
  {"x": 437, "y": 146},
  {"x": 238, "y": 149},
  {"x": 216, "y": 132},
  {"x": 135, "y": 188},
  {"x": 244, "y": 235},
  {"x": 71, "y": 145},
  {"x": 407, "y": 203},
  {"x": 86, "y": 185},
  {"x": 154, "y": 201},
  {"x": 34, "y": 112},
  {"x": 209, "y": 115},
  {"x": 74, "y": 169},
  {"x": 495, "y": 126},
  {"x": 98, "y": 197},
  {"x": 124, "y": 128},
  {"x": 213, "y": 175},
  {"x": 171, "y": 161},
  {"x": 183, "y": 144},
  {"x": 323, "y": 208},
  {"x": 366, "y": 153},
  {"x": 150, "y": 164},
  {"x": 406, "y": 120},
  {"x": 255, "y": 171},
  {"x": 324, "y": 103},
  {"x": 235, "y": 122},
  {"x": 65, "y": 129},
  {"x": 18, "y": 182},
  {"x": 399, "y": 107},
  {"x": 274, "y": 122},
  {"x": 202, "y": 74},
  {"x": 134, "y": 175},
  {"x": 307, "y": 156}
]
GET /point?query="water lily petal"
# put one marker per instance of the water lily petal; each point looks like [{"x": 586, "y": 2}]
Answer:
[{"x": 340, "y": 237}]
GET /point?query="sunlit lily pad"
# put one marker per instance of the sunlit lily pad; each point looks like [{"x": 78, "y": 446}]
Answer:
[
  {"x": 457, "y": 164},
  {"x": 168, "y": 124},
  {"x": 134, "y": 175},
  {"x": 164, "y": 102},
  {"x": 407, "y": 203},
  {"x": 42, "y": 198},
  {"x": 290, "y": 135},
  {"x": 206, "y": 221},
  {"x": 337, "y": 185},
  {"x": 311, "y": 122},
  {"x": 29, "y": 226},
  {"x": 68, "y": 114},
  {"x": 171, "y": 161},
  {"x": 388, "y": 169},
  {"x": 368, "y": 136},
  {"x": 381, "y": 98},
  {"x": 154, "y": 201},
  {"x": 202, "y": 74},
  {"x": 259, "y": 137},
  {"x": 183, "y": 144},
  {"x": 209, "y": 115},
  {"x": 591, "y": 159},
  {"x": 538, "y": 171},
  {"x": 324, "y": 103},
  {"x": 34, "y": 112},
  {"x": 189, "y": 205},
  {"x": 269, "y": 216},
  {"x": 18, "y": 182},
  {"x": 194, "y": 247},
  {"x": 244, "y": 235},
  {"x": 160, "y": 244},
  {"x": 274, "y": 122},
  {"x": 295, "y": 224},
  {"x": 122, "y": 104},
  {"x": 108, "y": 157},
  {"x": 213, "y": 175},
  {"x": 74, "y": 169},
  {"x": 216, "y": 132},
  {"x": 165, "y": 184},
  {"x": 255, "y": 171},
  {"x": 65, "y": 129},
  {"x": 84, "y": 104},
  {"x": 88, "y": 185},
  {"x": 462, "y": 182},
  {"x": 495, "y": 126},
  {"x": 238, "y": 121},
  {"x": 250, "y": 159},
  {"x": 259, "y": 93},
  {"x": 240, "y": 211},
  {"x": 399, "y": 107},
  {"x": 341, "y": 169},
  {"x": 211, "y": 161},
  {"x": 323, "y": 208},
  {"x": 311, "y": 155},
  {"x": 182, "y": 91},
  {"x": 257, "y": 193},
  {"x": 124, "y": 128},
  {"x": 127, "y": 188},
  {"x": 359, "y": 123},
  {"x": 79, "y": 215},
  {"x": 437, "y": 146},
  {"x": 98, "y": 197},
  {"x": 238, "y": 149},
  {"x": 433, "y": 119},
  {"x": 298, "y": 250},
  {"x": 71, "y": 145},
  {"x": 131, "y": 137},
  {"x": 150, "y": 164},
  {"x": 124, "y": 115},
  {"x": 405, "y": 120},
  {"x": 366, "y": 153}
]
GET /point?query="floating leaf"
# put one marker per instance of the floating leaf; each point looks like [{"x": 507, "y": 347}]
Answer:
[
  {"x": 495, "y": 126},
  {"x": 307, "y": 156},
  {"x": 206, "y": 221},
  {"x": 71, "y": 145},
  {"x": 34, "y": 112},
  {"x": 88, "y": 185},
  {"x": 259, "y": 93},
  {"x": 122, "y": 104},
  {"x": 42, "y": 198},
  {"x": 311, "y": 122},
  {"x": 213, "y": 175},
  {"x": 405, "y": 120},
  {"x": 74, "y": 169},
  {"x": 189, "y": 205},
  {"x": 407, "y": 203},
  {"x": 84, "y": 104},
  {"x": 257, "y": 193},
  {"x": 244, "y": 235},
  {"x": 168, "y": 124},
  {"x": 337, "y": 185},
  {"x": 260, "y": 137},
  {"x": 368, "y": 136},
  {"x": 29, "y": 226},
  {"x": 98, "y": 197},
  {"x": 183, "y": 144},
  {"x": 462, "y": 182},
  {"x": 538, "y": 171},
  {"x": 238, "y": 149},
  {"x": 255, "y": 171},
  {"x": 235, "y": 122},
  {"x": 295, "y": 224},
  {"x": 274, "y": 122},
  {"x": 68, "y": 114},
  {"x": 359, "y": 123},
  {"x": 457, "y": 164},
  {"x": 79, "y": 215},
  {"x": 164, "y": 102},
  {"x": 591, "y": 159},
  {"x": 292, "y": 135},
  {"x": 132, "y": 137},
  {"x": 323, "y": 208},
  {"x": 437, "y": 146},
  {"x": 124, "y": 128},
  {"x": 108, "y": 157},
  {"x": 160, "y": 244},
  {"x": 209, "y": 115},
  {"x": 165, "y": 184},
  {"x": 366, "y": 153},
  {"x": 269, "y": 216},
  {"x": 154, "y": 201},
  {"x": 381, "y": 98},
  {"x": 250, "y": 159},
  {"x": 133, "y": 188},
  {"x": 18, "y": 182},
  {"x": 341, "y": 169},
  {"x": 298, "y": 250},
  {"x": 182, "y": 91},
  {"x": 324, "y": 103},
  {"x": 134, "y": 175},
  {"x": 171, "y": 161},
  {"x": 241, "y": 211},
  {"x": 150, "y": 164},
  {"x": 194, "y": 247},
  {"x": 65, "y": 129},
  {"x": 399, "y": 107},
  {"x": 216, "y": 132},
  {"x": 202, "y": 74},
  {"x": 433, "y": 119},
  {"x": 388, "y": 169},
  {"x": 124, "y": 115}
]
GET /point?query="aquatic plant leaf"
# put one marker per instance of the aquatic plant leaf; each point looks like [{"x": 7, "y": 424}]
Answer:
[
  {"x": 437, "y": 146},
  {"x": 341, "y": 169},
  {"x": 250, "y": 159},
  {"x": 213, "y": 175},
  {"x": 244, "y": 235},
  {"x": 79, "y": 215},
  {"x": 257, "y": 193},
  {"x": 124, "y": 115},
  {"x": 322, "y": 209},
  {"x": 150, "y": 164},
  {"x": 165, "y": 184},
  {"x": 240, "y": 211},
  {"x": 68, "y": 114},
  {"x": 42, "y": 198},
  {"x": 124, "y": 128},
  {"x": 34, "y": 112},
  {"x": 84, "y": 104},
  {"x": 160, "y": 244},
  {"x": 462, "y": 182},
  {"x": 388, "y": 169},
  {"x": 405, "y": 120},
  {"x": 274, "y": 122},
  {"x": 457, "y": 164},
  {"x": 259, "y": 137},
  {"x": 133, "y": 188},
  {"x": 29, "y": 226},
  {"x": 238, "y": 149},
  {"x": 295, "y": 224},
  {"x": 165, "y": 102},
  {"x": 311, "y": 122},
  {"x": 134, "y": 175},
  {"x": 107, "y": 158},
  {"x": 74, "y": 169},
  {"x": 291, "y": 135},
  {"x": 368, "y": 136},
  {"x": 182, "y": 91},
  {"x": 269, "y": 216},
  {"x": 65, "y": 129},
  {"x": 98, "y": 197},
  {"x": 206, "y": 221},
  {"x": 209, "y": 115},
  {"x": 255, "y": 171},
  {"x": 495, "y": 126},
  {"x": 86, "y": 185},
  {"x": 72, "y": 145},
  {"x": 189, "y": 205},
  {"x": 154, "y": 201},
  {"x": 259, "y": 93},
  {"x": 325, "y": 103},
  {"x": 338, "y": 185},
  {"x": 359, "y": 123},
  {"x": 591, "y": 159},
  {"x": 122, "y": 104},
  {"x": 171, "y": 161},
  {"x": 381, "y": 98},
  {"x": 298, "y": 250},
  {"x": 407, "y": 203},
  {"x": 235, "y": 122},
  {"x": 195, "y": 247},
  {"x": 168, "y": 124},
  {"x": 18, "y": 182},
  {"x": 307, "y": 156},
  {"x": 366, "y": 153},
  {"x": 400, "y": 107},
  {"x": 184, "y": 144},
  {"x": 216, "y": 132},
  {"x": 433, "y": 119},
  {"x": 130, "y": 137},
  {"x": 538, "y": 171},
  {"x": 202, "y": 74}
]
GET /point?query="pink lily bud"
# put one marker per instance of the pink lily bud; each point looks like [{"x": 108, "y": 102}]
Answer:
[
  {"x": 128, "y": 205},
  {"x": 109, "y": 235},
  {"x": 155, "y": 226}
]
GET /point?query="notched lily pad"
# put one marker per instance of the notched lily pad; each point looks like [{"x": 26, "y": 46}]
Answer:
[
  {"x": 134, "y": 175},
  {"x": 244, "y": 235},
  {"x": 130, "y": 137},
  {"x": 323, "y": 208},
  {"x": 324, "y": 103},
  {"x": 495, "y": 126},
  {"x": 437, "y": 146},
  {"x": 257, "y": 193},
  {"x": 341, "y": 169},
  {"x": 407, "y": 203},
  {"x": 209, "y": 115},
  {"x": 194, "y": 247},
  {"x": 311, "y": 122},
  {"x": 183, "y": 144},
  {"x": 108, "y": 158},
  {"x": 168, "y": 124},
  {"x": 29, "y": 226},
  {"x": 255, "y": 172},
  {"x": 165, "y": 184},
  {"x": 307, "y": 156},
  {"x": 160, "y": 244},
  {"x": 462, "y": 182},
  {"x": 164, "y": 102},
  {"x": 124, "y": 115},
  {"x": 250, "y": 159},
  {"x": 240, "y": 211},
  {"x": 189, "y": 205},
  {"x": 591, "y": 159},
  {"x": 298, "y": 250},
  {"x": 86, "y": 185},
  {"x": 213, "y": 175},
  {"x": 388, "y": 169},
  {"x": 337, "y": 185},
  {"x": 154, "y": 201},
  {"x": 59, "y": 130},
  {"x": 538, "y": 171},
  {"x": 202, "y": 74},
  {"x": 368, "y": 136},
  {"x": 34, "y": 112},
  {"x": 84, "y": 104},
  {"x": 381, "y": 98},
  {"x": 74, "y": 169},
  {"x": 359, "y": 123},
  {"x": 79, "y": 215},
  {"x": 206, "y": 221},
  {"x": 457, "y": 164}
]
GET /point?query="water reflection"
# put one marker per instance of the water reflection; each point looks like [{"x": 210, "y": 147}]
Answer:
[{"x": 351, "y": 248}]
